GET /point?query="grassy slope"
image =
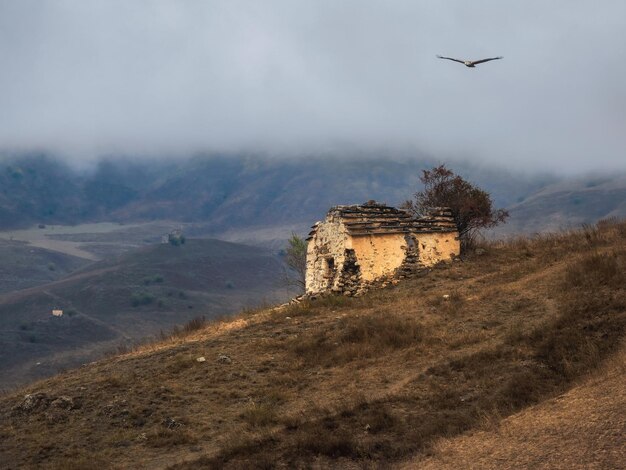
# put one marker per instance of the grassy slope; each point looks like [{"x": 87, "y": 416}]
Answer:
[
  {"x": 126, "y": 298},
  {"x": 25, "y": 266},
  {"x": 568, "y": 204},
  {"x": 390, "y": 378},
  {"x": 582, "y": 428}
]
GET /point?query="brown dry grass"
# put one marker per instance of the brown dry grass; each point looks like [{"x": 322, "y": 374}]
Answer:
[
  {"x": 582, "y": 428},
  {"x": 366, "y": 382}
]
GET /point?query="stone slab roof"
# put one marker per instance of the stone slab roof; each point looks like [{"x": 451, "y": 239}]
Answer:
[{"x": 373, "y": 218}]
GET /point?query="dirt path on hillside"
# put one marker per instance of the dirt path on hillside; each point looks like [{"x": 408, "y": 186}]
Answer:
[
  {"x": 14, "y": 296},
  {"x": 43, "y": 237}
]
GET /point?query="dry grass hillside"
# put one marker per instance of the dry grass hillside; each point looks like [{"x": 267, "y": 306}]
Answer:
[
  {"x": 512, "y": 358},
  {"x": 121, "y": 300}
]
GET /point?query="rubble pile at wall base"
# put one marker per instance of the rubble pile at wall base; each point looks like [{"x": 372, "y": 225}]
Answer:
[
  {"x": 363, "y": 288},
  {"x": 354, "y": 287}
]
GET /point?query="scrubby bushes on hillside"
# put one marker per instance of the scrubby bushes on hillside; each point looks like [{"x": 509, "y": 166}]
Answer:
[{"x": 142, "y": 298}]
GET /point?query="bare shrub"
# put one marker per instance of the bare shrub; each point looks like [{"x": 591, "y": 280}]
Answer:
[
  {"x": 179, "y": 363},
  {"x": 260, "y": 414},
  {"x": 193, "y": 325}
]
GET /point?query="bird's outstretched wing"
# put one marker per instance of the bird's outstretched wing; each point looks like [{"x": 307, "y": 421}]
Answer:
[
  {"x": 450, "y": 58},
  {"x": 476, "y": 62}
]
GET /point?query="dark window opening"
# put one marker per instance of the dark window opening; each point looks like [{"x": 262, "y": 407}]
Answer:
[{"x": 329, "y": 267}]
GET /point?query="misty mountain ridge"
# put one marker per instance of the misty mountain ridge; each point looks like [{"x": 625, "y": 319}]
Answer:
[
  {"x": 568, "y": 204},
  {"x": 247, "y": 198},
  {"x": 229, "y": 191}
]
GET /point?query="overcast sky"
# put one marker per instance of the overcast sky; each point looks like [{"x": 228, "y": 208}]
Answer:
[{"x": 90, "y": 77}]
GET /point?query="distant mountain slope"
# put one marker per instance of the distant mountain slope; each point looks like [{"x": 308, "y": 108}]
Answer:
[
  {"x": 242, "y": 192},
  {"x": 22, "y": 265},
  {"x": 40, "y": 189},
  {"x": 568, "y": 204},
  {"x": 239, "y": 195},
  {"x": 227, "y": 191},
  {"x": 127, "y": 298}
]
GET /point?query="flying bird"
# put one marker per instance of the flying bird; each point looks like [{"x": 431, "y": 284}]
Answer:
[{"x": 470, "y": 63}]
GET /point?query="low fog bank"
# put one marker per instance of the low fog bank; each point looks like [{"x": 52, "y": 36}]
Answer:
[
  {"x": 339, "y": 158},
  {"x": 167, "y": 79}
]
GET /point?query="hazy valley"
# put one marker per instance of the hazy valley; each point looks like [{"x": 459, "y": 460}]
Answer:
[
  {"x": 98, "y": 269},
  {"x": 137, "y": 289}
]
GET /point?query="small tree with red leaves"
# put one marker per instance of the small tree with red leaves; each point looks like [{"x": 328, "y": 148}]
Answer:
[{"x": 471, "y": 207}]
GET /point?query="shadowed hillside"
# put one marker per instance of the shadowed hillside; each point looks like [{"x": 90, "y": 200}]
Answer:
[
  {"x": 234, "y": 191},
  {"x": 568, "y": 204},
  {"x": 124, "y": 299},
  {"x": 397, "y": 377},
  {"x": 581, "y": 428},
  {"x": 26, "y": 266}
]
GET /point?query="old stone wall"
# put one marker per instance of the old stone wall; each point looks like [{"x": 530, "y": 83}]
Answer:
[
  {"x": 378, "y": 255},
  {"x": 325, "y": 255},
  {"x": 436, "y": 247}
]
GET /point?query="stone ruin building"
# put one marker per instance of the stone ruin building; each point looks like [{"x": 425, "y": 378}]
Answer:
[{"x": 360, "y": 245}]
